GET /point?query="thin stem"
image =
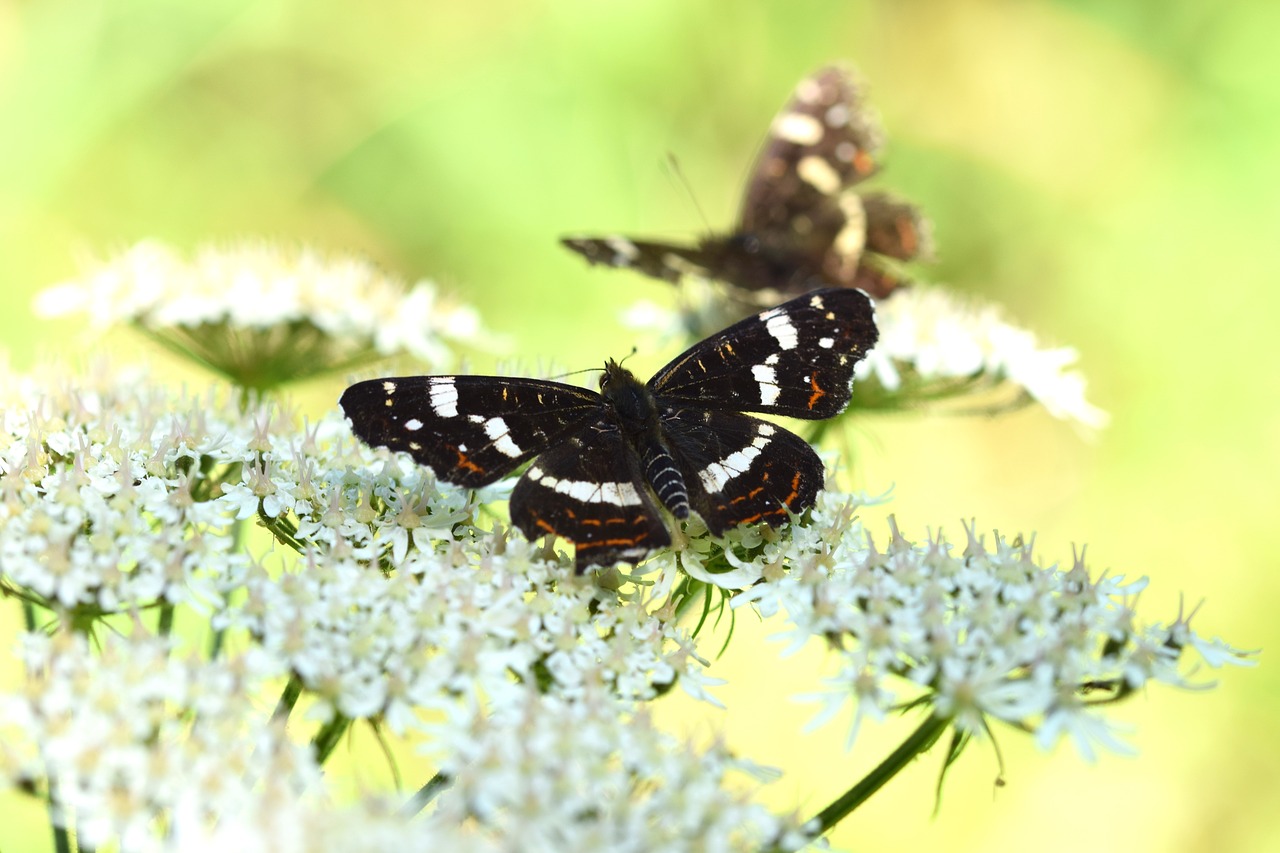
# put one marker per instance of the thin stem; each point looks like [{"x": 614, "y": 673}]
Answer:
[
  {"x": 425, "y": 795},
  {"x": 288, "y": 699},
  {"x": 164, "y": 626},
  {"x": 328, "y": 736},
  {"x": 916, "y": 744},
  {"x": 61, "y": 839}
]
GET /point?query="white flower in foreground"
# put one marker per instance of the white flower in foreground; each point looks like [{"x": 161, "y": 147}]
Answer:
[
  {"x": 401, "y": 597},
  {"x": 934, "y": 345},
  {"x": 314, "y": 825},
  {"x": 110, "y": 493},
  {"x": 124, "y": 732},
  {"x": 262, "y": 314},
  {"x": 983, "y": 635},
  {"x": 547, "y": 774}
]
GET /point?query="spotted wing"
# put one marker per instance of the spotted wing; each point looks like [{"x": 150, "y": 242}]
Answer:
[
  {"x": 667, "y": 261},
  {"x": 590, "y": 491},
  {"x": 470, "y": 430},
  {"x": 821, "y": 143},
  {"x": 896, "y": 228},
  {"x": 741, "y": 470},
  {"x": 796, "y": 359}
]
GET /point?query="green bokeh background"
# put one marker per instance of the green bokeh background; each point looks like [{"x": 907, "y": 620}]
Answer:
[{"x": 1108, "y": 170}]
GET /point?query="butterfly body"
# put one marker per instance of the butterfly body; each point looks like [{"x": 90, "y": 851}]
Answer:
[
  {"x": 800, "y": 218},
  {"x": 607, "y": 463}
]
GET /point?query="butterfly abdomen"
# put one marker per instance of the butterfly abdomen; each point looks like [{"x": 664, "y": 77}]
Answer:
[{"x": 665, "y": 479}]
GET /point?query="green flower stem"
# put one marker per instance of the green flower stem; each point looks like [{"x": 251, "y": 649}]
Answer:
[
  {"x": 61, "y": 839},
  {"x": 288, "y": 699},
  {"x": 164, "y": 626},
  {"x": 64, "y": 840},
  {"x": 328, "y": 736},
  {"x": 281, "y": 528},
  {"x": 425, "y": 795},
  {"x": 917, "y": 744}
]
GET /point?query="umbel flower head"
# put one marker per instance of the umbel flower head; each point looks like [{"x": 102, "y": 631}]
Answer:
[
  {"x": 261, "y": 314},
  {"x": 382, "y": 597},
  {"x": 397, "y": 599},
  {"x": 938, "y": 348}
]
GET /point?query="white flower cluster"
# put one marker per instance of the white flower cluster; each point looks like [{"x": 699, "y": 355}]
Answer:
[
  {"x": 547, "y": 774},
  {"x": 231, "y": 305},
  {"x": 108, "y": 494},
  {"x": 983, "y": 634},
  {"x": 127, "y": 730},
  {"x": 541, "y": 773},
  {"x": 478, "y": 620},
  {"x": 929, "y": 335},
  {"x": 313, "y": 825}
]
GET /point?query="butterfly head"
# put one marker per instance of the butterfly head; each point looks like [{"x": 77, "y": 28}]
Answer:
[{"x": 631, "y": 402}]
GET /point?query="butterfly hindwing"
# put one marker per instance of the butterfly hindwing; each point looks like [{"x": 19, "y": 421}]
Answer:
[
  {"x": 590, "y": 490},
  {"x": 470, "y": 430},
  {"x": 796, "y": 359},
  {"x": 742, "y": 470},
  {"x": 896, "y": 228}
]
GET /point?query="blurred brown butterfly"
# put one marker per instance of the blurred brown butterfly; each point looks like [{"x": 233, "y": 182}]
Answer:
[{"x": 801, "y": 222}]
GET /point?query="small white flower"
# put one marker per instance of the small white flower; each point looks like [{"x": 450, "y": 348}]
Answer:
[
  {"x": 986, "y": 634},
  {"x": 130, "y": 733},
  {"x": 934, "y": 344},
  {"x": 543, "y": 773},
  {"x": 118, "y": 506}
]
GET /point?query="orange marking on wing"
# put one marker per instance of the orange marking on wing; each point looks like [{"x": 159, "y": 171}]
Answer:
[
  {"x": 795, "y": 491},
  {"x": 863, "y": 163},
  {"x": 817, "y": 394},
  {"x": 610, "y": 543},
  {"x": 907, "y": 234},
  {"x": 466, "y": 464}
]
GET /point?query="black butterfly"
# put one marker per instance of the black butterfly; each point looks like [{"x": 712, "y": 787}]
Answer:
[
  {"x": 681, "y": 435},
  {"x": 799, "y": 218}
]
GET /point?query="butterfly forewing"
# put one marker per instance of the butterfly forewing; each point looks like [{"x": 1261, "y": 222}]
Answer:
[
  {"x": 824, "y": 140},
  {"x": 655, "y": 259},
  {"x": 470, "y": 430},
  {"x": 796, "y": 359},
  {"x": 742, "y": 470},
  {"x": 800, "y": 218},
  {"x": 591, "y": 491}
]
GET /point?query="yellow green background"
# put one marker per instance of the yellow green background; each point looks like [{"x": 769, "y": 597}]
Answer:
[{"x": 1108, "y": 170}]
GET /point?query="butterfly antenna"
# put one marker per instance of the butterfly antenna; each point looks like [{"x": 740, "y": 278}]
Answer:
[{"x": 673, "y": 164}]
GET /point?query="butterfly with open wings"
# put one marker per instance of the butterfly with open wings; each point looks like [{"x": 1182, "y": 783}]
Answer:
[
  {"x": 606, "y": 462},
  {"x": 800, "y": 219}
]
